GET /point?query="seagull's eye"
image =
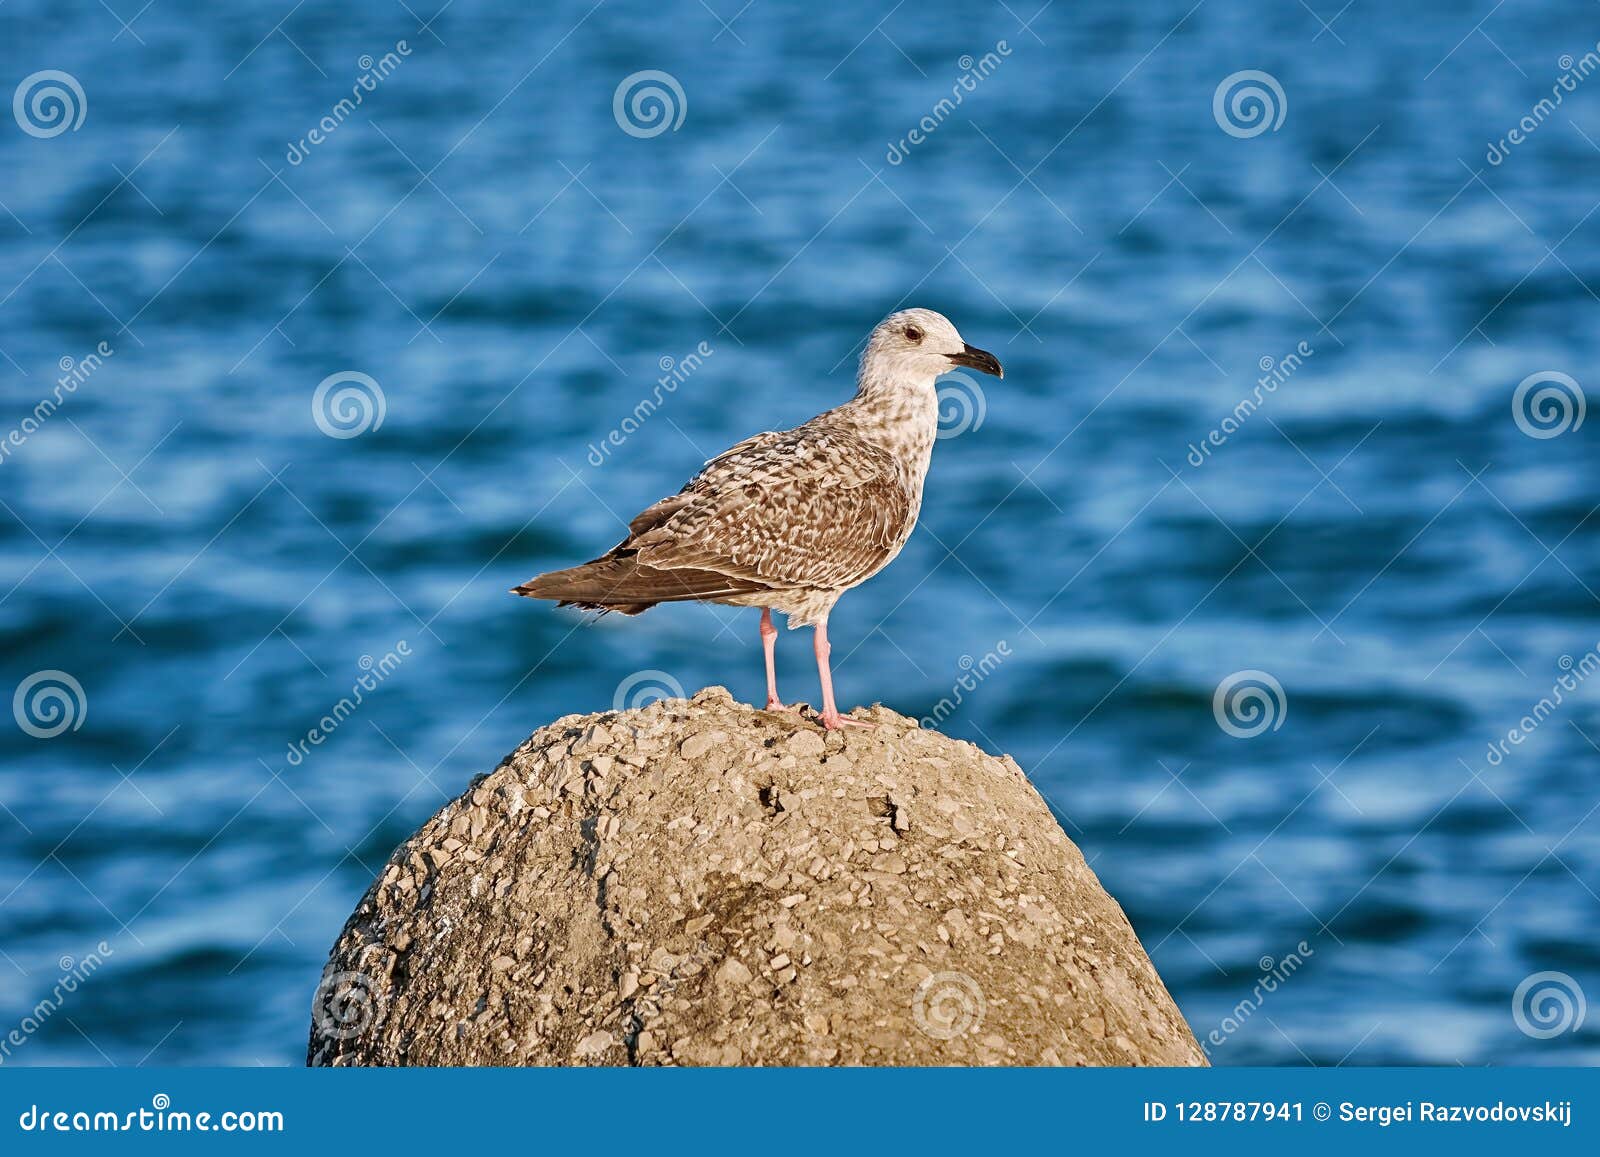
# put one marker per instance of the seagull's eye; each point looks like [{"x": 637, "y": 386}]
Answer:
[{"x": 913, "y": 334}]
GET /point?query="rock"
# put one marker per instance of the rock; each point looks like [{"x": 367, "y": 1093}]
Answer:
[
  {"x": 805, "y": 744},
  {"x": 698, "y": 882},
  {"x": 697, "y": 745}
]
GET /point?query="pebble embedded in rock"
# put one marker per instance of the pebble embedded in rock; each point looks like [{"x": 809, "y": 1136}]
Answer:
[
  {"x": 697, "y": 745},
  {"x": 889, "y": 862},
  {"x": 805, "y": 744}
]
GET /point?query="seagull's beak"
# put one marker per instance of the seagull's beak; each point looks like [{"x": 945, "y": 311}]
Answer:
[{"x": 981, "y": 360}]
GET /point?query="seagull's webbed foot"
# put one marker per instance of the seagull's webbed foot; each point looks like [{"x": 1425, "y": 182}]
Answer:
[{"x": 833, "y": 721}]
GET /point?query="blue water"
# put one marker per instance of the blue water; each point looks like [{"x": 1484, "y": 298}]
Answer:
[{"x": 484, "y": 241}]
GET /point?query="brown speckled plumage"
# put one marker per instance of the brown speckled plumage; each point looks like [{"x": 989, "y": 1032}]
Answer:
[{"x": 791, "y": 520}]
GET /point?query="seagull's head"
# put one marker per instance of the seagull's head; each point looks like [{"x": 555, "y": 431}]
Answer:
[{"x": 919, "y": 344}]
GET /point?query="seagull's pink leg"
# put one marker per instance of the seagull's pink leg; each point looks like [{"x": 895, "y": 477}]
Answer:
[
  {"x": 831, "y": 719},
  {"x": 769, "y": 644}
]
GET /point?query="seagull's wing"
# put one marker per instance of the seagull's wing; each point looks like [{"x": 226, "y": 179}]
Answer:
[{"x": 816, "y": 507}]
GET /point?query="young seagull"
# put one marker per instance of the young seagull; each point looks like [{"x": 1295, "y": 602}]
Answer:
[{"x": 789, "y": 521}]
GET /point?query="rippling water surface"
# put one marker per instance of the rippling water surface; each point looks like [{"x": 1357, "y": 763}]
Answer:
[{"x": 1400, "y": 566}]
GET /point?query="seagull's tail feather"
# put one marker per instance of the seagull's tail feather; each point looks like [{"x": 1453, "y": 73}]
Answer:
[{"x": 620, "y": 583}]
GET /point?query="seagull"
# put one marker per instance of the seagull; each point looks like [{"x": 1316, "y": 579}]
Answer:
[{"x": 789, "y": 520}]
